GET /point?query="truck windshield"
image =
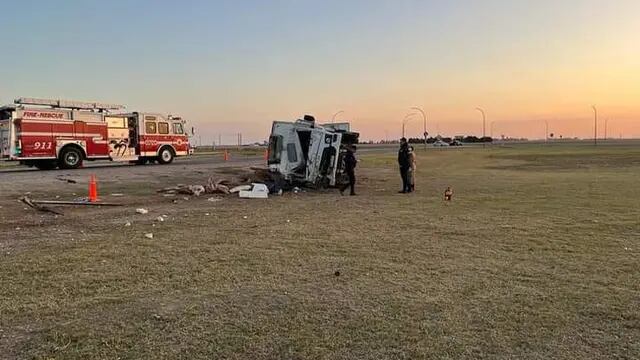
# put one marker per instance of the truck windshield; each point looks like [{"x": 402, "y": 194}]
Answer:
[{"x": 4, "y": 115}]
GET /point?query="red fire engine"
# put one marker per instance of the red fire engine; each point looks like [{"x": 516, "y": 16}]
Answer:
[{"x": 59, "y": 133}]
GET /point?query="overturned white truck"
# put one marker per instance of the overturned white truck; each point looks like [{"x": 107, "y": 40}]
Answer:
[{"x": 310, "y": 154}]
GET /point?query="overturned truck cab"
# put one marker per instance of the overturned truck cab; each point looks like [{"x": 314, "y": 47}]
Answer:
[{"x": 310, "y": 154}]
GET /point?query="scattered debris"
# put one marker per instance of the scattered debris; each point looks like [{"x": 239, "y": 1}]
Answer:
[
  {"x": 214, "y": 199},
  {"x": 258, "y": 191},
  {"x": 82, "y": 202},
  {"x": 160, "y": 219},
  {"x": 117, "y": 195},
  {"x": 241, "y": 181},
  {"x": 337, "y": 273},
  {"x": 33, "y": 205},
  {"x": 245, "y": 217},
  {"x": 148, "y": 235},
  {"x": 142, "y": 211},
  {"x": 207, "y": 214},
  {"x": 196, "y": 190},
  {"x": 127, "y": 224},
  {"x": 70, "y": 181},
  {"x": 240, "y": 188}
]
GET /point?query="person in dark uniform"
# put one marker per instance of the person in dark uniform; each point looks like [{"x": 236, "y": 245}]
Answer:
[
  {"x": 404, "y": 160},
  {"x": 350, "y": 163}
]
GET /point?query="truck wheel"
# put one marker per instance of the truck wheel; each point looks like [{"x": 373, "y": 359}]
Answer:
[
  {"x": 70, "y": 158},
  {"x": 166, "y": 156},
  {"x": 46, "y": 164}
]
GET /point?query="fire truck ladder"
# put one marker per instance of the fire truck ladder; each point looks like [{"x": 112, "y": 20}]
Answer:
[{"x": 69, "y": 104}]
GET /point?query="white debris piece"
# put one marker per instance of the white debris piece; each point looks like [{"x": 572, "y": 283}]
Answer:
[
  {"x": 160, "y": 219},
  {"x": 240, "y": 188},
  {"x": 214, "y": 199},
  {"x": 127, "y": 224},
  {"x": 196, "y": 190},
  {"x": 148, "y": 235},
  {"x": 142, "y": 211},
  {"x": 245, "y": 217},
  {"x": 258, "y": 191}
]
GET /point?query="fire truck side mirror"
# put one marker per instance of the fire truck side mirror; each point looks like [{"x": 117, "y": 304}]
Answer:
[{"x": 193, "y": 132}]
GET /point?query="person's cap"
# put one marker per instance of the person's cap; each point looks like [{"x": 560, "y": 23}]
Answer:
[{"x": 403, "y": 139}]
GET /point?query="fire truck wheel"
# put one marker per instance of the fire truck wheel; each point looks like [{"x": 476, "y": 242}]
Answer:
[
  {"x": 46, "y": 164},
  {"x": 166, "y": 156},
  {"x": 70, "y": 158}
]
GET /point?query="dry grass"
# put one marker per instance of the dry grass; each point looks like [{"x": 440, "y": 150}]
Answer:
[{"x": 527, "y": 262}]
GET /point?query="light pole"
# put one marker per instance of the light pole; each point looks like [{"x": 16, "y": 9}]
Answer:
[
  {"x": 595, "y": 125},
  {"x": 333, "y": 118},
  {"x": 491, "y": 129},
  {"x": 484, "y": 124},
  {"x": 484, "y": 121},
  {"x": 546, "y": 130},
  {"x": 606, "y": 124},
  {"x": 424, "y": 117},
  {"x": 404, "y": 122}
]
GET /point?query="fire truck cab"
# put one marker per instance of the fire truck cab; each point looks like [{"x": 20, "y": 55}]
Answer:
[{"x": 58, "y": 133}]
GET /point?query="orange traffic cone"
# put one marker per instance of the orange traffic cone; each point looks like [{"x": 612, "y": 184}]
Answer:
[
  {"x": 93, "y": 189},
  {"x": 226, "y": 155},
  {"x": 266, "y": 154}
]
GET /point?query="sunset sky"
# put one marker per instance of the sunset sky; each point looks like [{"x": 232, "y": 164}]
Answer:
[{"x": 235, "y": 66}]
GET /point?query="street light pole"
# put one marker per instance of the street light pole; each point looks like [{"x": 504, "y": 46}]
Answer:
[
  {"x": 606, "y": 124},
  {"x": 484, "y": 124},
  {"x": 595, "y": 126},
  {"x": 333, "y": 118},
  {"x": 424, "y": 116},
  {"x": 404, "y": 122},
  {"x": 484, "y": 121},
  {"x": 546, "y": 131},
  {"x": 491, "y": 129}
]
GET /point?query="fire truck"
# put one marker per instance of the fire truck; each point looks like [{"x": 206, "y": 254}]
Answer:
[{"x": 59, "y": 133}]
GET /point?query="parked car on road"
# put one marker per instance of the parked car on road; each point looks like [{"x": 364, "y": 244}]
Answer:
[{"x": 440, "y": 143}]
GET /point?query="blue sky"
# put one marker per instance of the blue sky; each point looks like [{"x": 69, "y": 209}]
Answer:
[{"x": 235, "y": 66}]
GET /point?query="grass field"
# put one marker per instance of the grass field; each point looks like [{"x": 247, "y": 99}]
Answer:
[{"x": 536, "y": 258}]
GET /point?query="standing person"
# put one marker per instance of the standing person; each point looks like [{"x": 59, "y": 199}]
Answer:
[
  {"x": 350, "y": 163},
  {"x": 405, "y": 165},
  {"x": 412, "y": 168}
]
